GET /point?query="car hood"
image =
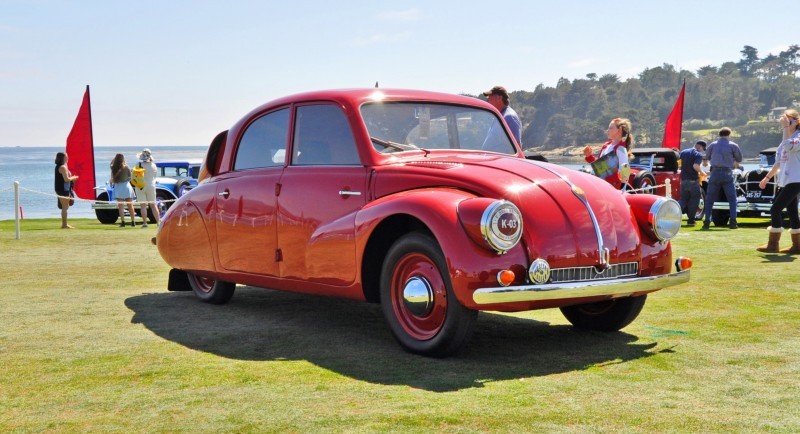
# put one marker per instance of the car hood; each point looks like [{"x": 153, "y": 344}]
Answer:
[{"x": 559, "y": 226}]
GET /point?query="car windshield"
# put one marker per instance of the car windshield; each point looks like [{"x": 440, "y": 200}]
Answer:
[
  {"x": 174, "y": 171},
  {"x": 767, "y": 160},
  {"x": 403, "y": 126}
]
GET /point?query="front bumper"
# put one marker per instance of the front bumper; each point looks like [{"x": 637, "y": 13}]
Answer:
[
  {"x": 557, "y": 291},
  {"x": 744, "y": 206}
]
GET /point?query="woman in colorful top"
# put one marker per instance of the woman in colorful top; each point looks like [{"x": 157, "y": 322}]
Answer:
[
  {"x": 787, "y": 168},
  {"x": 63, "y": 186},
  {"x": 121, "y": 178},
  {"x": 616, "y": 148}
]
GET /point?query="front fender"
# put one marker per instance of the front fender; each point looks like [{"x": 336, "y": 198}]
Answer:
[{"x": 470, "y": 266}]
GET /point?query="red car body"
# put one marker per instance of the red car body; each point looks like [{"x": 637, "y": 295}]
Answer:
[{"x": 413, "y": 213}]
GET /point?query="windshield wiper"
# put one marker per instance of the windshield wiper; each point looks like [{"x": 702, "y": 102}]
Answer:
[{"x": 393, "y": 145}]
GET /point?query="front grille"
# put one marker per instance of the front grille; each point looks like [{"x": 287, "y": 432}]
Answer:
[{"x": 582, "y": 274}]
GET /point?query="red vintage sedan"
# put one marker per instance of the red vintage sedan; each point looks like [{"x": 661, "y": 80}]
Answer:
[{"x": 421, "y": 202}]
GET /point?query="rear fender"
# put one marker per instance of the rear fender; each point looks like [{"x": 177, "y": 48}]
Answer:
[{"x": 184, "y": 240}]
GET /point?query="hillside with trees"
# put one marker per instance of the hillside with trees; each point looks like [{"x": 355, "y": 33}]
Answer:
[{"x": 739, "y": 94}]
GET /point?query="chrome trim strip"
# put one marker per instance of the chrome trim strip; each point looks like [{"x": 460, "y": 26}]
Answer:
[
  {"x": 349, "y": 193},
  {"x": 602, "y": 252},
  {"x": 556, "y": 291}
]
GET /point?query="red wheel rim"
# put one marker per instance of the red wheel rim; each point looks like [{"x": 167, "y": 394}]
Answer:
[
  {"x": 203, "y": 284},
  {"x": 419, "y": 268}
]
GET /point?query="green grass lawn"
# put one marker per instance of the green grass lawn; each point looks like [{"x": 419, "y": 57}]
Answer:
[{"x": 91, "y": 340}]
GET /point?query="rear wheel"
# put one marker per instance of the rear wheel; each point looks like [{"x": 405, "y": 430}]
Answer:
[
  {"x": 106, "y": 216},
  {"x": 605, "y": 316},
  {"x": 644, "y": 182},
  {"x": 418, "y": 300},
  {"x": 698, "y": 215},
  {"x": 210, "y": 290},
  {"x": 720, "y": 217}
]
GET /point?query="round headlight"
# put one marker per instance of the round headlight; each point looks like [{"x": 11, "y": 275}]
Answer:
[
  {"x": 501, "y": 225},
  {"x": 665, "y": 218}
]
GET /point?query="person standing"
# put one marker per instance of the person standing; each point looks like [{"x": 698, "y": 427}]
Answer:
[
  {"x": 723, "y": 155},
  {"x": 121, "y": 180},
  {"x": 787, "y": 169},
  {"x": 691, "y": 172},
  {"x": 615, "y": 150},
  {"x": 63, "y": 186},
  {"x": 498, "y": 97},
  {"x": 147, "y": 195}
]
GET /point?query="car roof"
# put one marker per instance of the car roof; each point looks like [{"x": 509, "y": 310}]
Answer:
[
  {"x": 771, "y": 150},
  {"x": 652, "y": 150},
  {"x": 356, "y": 97},
  {"x": 192, "y": 162}
]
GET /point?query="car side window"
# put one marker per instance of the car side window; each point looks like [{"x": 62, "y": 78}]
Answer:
[
  {"x": 322, "y": 136},
  {"x": 262, "y": 140}
]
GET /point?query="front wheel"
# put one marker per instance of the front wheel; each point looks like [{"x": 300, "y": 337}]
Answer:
[
  {"x": 106, "y": 216},
  {"x": 605, "y": 316},
  {"x": 210, "y": 290},
  {"x": 418, "y": 300}
]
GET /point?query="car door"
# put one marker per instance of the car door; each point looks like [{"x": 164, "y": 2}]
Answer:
[
  {"x": 320, "y": 192},
  {"x": 246, "y": 197}
]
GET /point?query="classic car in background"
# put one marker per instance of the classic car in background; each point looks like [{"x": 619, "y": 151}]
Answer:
[
  {"x": 173, "y": 180},
  {"x": 652, "y": 167},
  {"x": 421, "y": 202}
]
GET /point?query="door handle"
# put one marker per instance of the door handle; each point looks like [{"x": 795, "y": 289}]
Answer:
[
  {"x": 345, "y": 193},
  {"x": 224, "y": 194}
]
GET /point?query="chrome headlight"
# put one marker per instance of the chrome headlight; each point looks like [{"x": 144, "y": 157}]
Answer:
[
  {"x": 665, "y": 218},
  {"x": 501, "y": 225}
]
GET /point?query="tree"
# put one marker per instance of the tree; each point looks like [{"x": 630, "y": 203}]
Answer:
[{"x": 749, "y": 61}]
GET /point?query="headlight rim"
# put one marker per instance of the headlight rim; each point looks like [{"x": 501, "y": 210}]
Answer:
[
  {"x": 490, "y": 236},
  {"x": 654, "y": 212}
]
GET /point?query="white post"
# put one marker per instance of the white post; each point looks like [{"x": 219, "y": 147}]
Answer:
[
  {"x": 16, "y": 207},
  {"x": 669, "y": 188}
]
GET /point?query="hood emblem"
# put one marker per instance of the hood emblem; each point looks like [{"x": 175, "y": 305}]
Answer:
[{"x": 539, "y": 271}]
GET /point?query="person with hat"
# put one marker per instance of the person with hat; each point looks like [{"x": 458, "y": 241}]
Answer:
[
  {"x": 498, "y": 97},
  {"x": 786, "y": 172},
  {"x": 691, "y": 172},
  {"x": 147, "y": 195}
]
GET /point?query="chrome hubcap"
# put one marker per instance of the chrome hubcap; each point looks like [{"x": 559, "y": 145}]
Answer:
[{"x": 418, "y": 296}]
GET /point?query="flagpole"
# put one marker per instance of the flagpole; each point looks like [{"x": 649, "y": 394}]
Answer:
[{"x": 91, "y": 126}]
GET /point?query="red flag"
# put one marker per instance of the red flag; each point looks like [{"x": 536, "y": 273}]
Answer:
[
  {"x": 80, "y": 148},
  {"x": 672, "y": 129}
]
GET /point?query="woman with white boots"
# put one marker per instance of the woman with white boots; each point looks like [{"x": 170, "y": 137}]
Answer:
[{"x": 787, "y": 168}]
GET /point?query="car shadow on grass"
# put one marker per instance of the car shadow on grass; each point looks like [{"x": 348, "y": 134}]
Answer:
[{"x": 352, "y": 339}]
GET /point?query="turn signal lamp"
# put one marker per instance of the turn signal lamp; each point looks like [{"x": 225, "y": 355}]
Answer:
[
  {"x": 505, "y": 277},
  {"x": 683, "y": 263}
]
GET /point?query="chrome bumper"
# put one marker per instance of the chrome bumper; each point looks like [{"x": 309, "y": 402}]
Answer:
[
  {"x": 556, "y": 291},
  {"x": 744, "y": 206}
]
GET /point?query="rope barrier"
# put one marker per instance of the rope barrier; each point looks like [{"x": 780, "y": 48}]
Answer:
[{"x": 89, "y": 200}]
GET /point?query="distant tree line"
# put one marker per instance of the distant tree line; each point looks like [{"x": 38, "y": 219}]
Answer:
[{"x": 735, "y": 94}]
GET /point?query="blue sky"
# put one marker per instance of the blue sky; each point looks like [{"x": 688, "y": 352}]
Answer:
[{"x": 178, "y": 72}]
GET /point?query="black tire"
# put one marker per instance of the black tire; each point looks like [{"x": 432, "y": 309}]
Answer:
[
  {"x": 210, "y": 290},
  {"x": 106, "y": 216},
  {"x": 698, "y": 215},
  {"x": 181, "y": 186},
  {"x": 644, "y": 181},
  {"x": 605, "y": 316},
  {"x": 720, "y": 217},
  {"x": 161, "y": 205},
  {"x": 434, "y": 323}
]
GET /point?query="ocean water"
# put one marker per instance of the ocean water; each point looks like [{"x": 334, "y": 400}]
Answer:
[{"x": 33, "y": 168}]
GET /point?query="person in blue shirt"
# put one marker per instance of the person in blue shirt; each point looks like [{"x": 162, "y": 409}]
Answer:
[
  {"x": 691, "y": 159},
  {"x": 498, "y": 97},
  {"x": 724, "y": 156}
]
